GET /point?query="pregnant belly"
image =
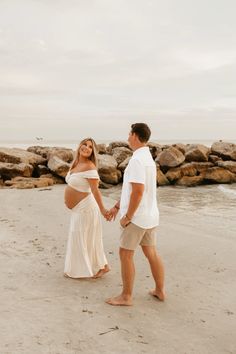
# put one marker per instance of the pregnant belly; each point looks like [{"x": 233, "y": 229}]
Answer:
[{"x": 73, "y": 197}]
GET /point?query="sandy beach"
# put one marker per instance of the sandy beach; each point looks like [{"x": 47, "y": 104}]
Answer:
[{"x": 43, "y": 312}]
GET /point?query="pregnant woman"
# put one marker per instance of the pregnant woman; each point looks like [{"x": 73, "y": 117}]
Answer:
[{"x": 85, "y": 255}]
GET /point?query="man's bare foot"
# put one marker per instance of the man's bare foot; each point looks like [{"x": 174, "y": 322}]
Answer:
[
  {"x": 101, "y": 272},
  {"x": 159, "y": 294},
  {"x": 119, "y": 301}
]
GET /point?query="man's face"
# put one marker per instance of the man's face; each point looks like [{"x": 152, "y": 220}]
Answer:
[{"x": 131, "y": 139}]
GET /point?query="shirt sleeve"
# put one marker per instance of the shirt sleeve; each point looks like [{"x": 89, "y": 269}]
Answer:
[
  {"x": 93, "y": 174},
  {"x": 136, "y": 172}
]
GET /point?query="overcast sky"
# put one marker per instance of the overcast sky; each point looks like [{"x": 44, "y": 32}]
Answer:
[{"x": 76, "y": 68}]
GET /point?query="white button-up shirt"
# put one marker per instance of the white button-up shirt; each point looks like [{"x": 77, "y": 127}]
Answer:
[{"x": 141, "y": 169}]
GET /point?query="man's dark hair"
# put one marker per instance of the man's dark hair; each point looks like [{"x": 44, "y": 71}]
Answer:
[{"x": 142, "y": 130}]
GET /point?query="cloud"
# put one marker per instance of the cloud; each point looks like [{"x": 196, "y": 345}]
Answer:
[{"x": 100, "y": 59}]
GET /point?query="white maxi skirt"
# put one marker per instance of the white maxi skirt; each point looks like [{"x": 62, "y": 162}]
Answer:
[{"x": 85, "y": 254}]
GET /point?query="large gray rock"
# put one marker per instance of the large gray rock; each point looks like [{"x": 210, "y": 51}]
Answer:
[
  {"x": 181, "y": 147},
  {"x": 102, "y": 149},
  {"x": 190, "y": 169},
  {"x": 124, "y": 164},
  {"x": 47, "y": 152},
  {"x": 41, "y": 170},
  {"x": 15, "y": 155},
  {"x": 116, "y": 144},
  {"x": 170, "y": 157},
  {"x": 58, "y": 166},
  {"x": 27, "y": 183},
  {"x": 107, "y": 169},
  {"x": 197, "y": 152},
  {"x": 187, "y": 169},
  {"x": 11, "y": 170},
  {"x": 188, "y": 181},
  {"x": 161, "y": 178},
  {"x": 229, "y": 165},
  {"x": 120, "y": 154},
  {"x": 56, "y": 179},
  {"x": 155, "y": 149},
  {"x": 227, "y": 151},
  {"x": 202, "y": 166},
  {"x": 214, "y": 158},
  {"x": 218, "y": 175}
]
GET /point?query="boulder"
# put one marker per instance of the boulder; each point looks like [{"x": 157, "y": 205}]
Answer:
[
  {"x": 56, "y": 179},
  {"x": 116, "y": 144},
  {"x": 161, "y": 178},
  {"x": 227, "y": 151},
  {"x": 47, "y": 152},
  {"x": 58, "y": 166},
  {"x": 11, "y": 170},
  {"x": 197, "y": 152},
  {"x": 173, "y": 174},
  {"x": 218, "y": 175},
  {"x": 170, "y": 157},
  {"x": 214, "y": 158},
  {"x": 155, "y": 149},
  {"x": 66, "y": 155},
  {"x": 102, "y": 149},
  {"x": 26, "y": 183},
  {"x": 181, "y": 147},
  {"x": 202, "y": 166},
  {"x": 124, "y": 164},
  {"x": 229, "y": 165},
  {"x": 15, "y": 155},
  {"x": 103, "y": 185},
  {"x": 120, "y": 154},
  {"x": 188, "y": 181},
  {"x": 107, "y": 169},
  {"x": 176, "y": 173},
  {"x": 189, "y": 169},
  {"x": 41, "y": 170}
]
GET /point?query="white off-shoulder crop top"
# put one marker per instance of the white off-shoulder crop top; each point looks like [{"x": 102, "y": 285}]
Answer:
[{"x": 78, "y": 180}]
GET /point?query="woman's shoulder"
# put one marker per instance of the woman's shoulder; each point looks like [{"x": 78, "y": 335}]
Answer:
[{"x": 90, "y": 166}]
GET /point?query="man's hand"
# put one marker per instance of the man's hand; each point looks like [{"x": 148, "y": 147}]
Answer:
[{"x": 125, "y": 221}]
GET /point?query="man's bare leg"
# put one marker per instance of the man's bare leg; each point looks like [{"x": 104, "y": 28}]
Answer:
[
  {"x": 157, "y": 269},
  {"x": 127, "y": 273}
]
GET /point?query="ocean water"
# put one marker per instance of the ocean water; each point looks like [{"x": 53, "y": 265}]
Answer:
[
  {"x": 201, "y": 198},
  {"x": 205, "y": 199}
]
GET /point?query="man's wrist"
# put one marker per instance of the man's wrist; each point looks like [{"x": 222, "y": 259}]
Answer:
[{"x": 127, "y": 217}]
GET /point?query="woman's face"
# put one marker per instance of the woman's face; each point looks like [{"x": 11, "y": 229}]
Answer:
[{"x": 86, "y": 149}]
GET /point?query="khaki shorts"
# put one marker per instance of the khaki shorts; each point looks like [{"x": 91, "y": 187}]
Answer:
[{"x": 133, "y": 235}]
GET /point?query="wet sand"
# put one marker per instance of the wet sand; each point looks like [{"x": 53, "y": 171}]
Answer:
[{"x": 43, "y": 312}]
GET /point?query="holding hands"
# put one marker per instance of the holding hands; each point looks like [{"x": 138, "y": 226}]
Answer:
[{"x": 110, "y": 215}]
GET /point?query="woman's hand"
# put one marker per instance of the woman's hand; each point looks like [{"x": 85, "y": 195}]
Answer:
[{"x": 113, "y": 212}]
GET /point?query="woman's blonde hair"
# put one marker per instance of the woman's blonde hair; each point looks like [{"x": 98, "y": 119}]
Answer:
[{"x": 93, "y": 157}]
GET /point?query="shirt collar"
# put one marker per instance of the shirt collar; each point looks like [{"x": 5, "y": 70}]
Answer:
[{"x": 140, "y": 150}]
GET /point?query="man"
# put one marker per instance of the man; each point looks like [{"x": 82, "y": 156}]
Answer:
[{"x": 139, "y": 216}]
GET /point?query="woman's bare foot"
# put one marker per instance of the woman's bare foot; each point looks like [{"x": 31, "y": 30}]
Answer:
[
  {"x": 102, "y": 271},
  {"x": 120, "y": 300},
  {"x": 159, "y": 294}
]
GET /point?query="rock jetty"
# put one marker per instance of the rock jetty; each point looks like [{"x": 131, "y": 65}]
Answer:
[{"x": 178, "y": 164}]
